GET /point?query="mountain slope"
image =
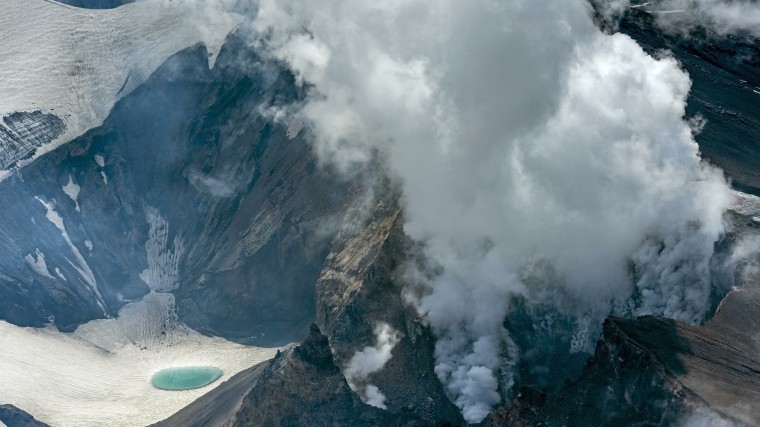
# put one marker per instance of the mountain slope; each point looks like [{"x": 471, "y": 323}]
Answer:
[
  {"x": 190, "y": 186},
  {"x": 301, "y": 386}
]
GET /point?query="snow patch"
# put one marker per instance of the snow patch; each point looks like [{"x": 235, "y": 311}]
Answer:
[
  {"x": 72, "y": 190},
  {"x": 294, "y": 128},
  {"x": 100, "y": 160},
  {"x": 82, "y": 268},
  {"x": 162, "y": 274},
  {"x": 38, "y": 264},
  {"x": 745, "y": 204}
]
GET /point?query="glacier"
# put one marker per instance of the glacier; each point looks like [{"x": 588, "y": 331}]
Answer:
[
  {"x": 100, "y": 374},
  {"x": 81, "y": 63}
]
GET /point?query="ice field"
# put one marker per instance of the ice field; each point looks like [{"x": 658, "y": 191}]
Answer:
[
  {"x": 76, "y": 63},
  {"x": 101, "y": 374}
]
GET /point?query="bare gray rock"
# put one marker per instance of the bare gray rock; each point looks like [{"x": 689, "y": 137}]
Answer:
[{"x": 14, "y": 417}]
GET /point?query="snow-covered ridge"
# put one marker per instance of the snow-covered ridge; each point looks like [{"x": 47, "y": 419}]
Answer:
[{"x": 76, "y": 63}]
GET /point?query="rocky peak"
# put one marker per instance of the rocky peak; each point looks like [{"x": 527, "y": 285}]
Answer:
[{"x": 315, "y": 350}]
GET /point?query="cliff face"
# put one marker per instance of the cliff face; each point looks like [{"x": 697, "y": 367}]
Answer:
[
  {"x": 625, "y": 382},
  {"x": 360, "y": 287},
  {"x": 656, "y": 371}
]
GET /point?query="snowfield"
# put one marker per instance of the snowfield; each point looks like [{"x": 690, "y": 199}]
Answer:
[
  {"x": 100, "y": 374},
  {"x": 76, "y": 63}
]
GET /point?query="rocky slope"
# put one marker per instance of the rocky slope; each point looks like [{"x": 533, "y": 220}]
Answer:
[
  {"x": 190, "y": 186},
  {"x": 648, "y": 371},
  {"x": 301, "y": 386},
  {"x": 656, "y": 371},
  {"x": 360, "y": 287}
]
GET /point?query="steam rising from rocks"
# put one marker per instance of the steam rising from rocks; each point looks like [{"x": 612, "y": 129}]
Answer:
[
  {"x": 370, "y": 360},
  {"x": 721, "y": 17},
  {"x": 536, "y": 153}
]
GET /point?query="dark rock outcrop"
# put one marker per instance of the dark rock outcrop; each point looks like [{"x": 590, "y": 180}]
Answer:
[
  {"x": 301, "y": 386},
  {"x": 96, "y": 4},
  {"x": 657, "y": 371},
  {"x": 526, "y": 410},
  {"x": 11, "y": 416},
  {"x": 625, "y": 383},
  {"x": 21, "y": 133}
]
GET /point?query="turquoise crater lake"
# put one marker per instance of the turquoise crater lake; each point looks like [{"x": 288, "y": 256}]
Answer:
[{"x": 185, "y": 378}]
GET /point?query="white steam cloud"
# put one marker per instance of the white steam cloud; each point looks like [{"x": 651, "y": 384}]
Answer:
[
  {"x": 705, "y": 418},
  {"x": 719, "y": 16},
  {"x": 524, "y": 138},
  {"x": 370, "y": 360}
]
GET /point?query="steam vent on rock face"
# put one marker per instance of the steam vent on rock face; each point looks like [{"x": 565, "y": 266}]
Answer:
[{"x": 341, "y": 213}]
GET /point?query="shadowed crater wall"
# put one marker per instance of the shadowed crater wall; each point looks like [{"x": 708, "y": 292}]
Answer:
[{"x": 189, "y": 186}]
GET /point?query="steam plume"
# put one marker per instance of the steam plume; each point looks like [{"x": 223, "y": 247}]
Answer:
[
  {"x": 721, "y": 17},
  {"x": 524, "y": 138},
  {"x": 370, "y": 360}
]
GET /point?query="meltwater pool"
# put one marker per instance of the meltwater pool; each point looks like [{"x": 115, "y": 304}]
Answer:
[{"x": 185, "y": 378}]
